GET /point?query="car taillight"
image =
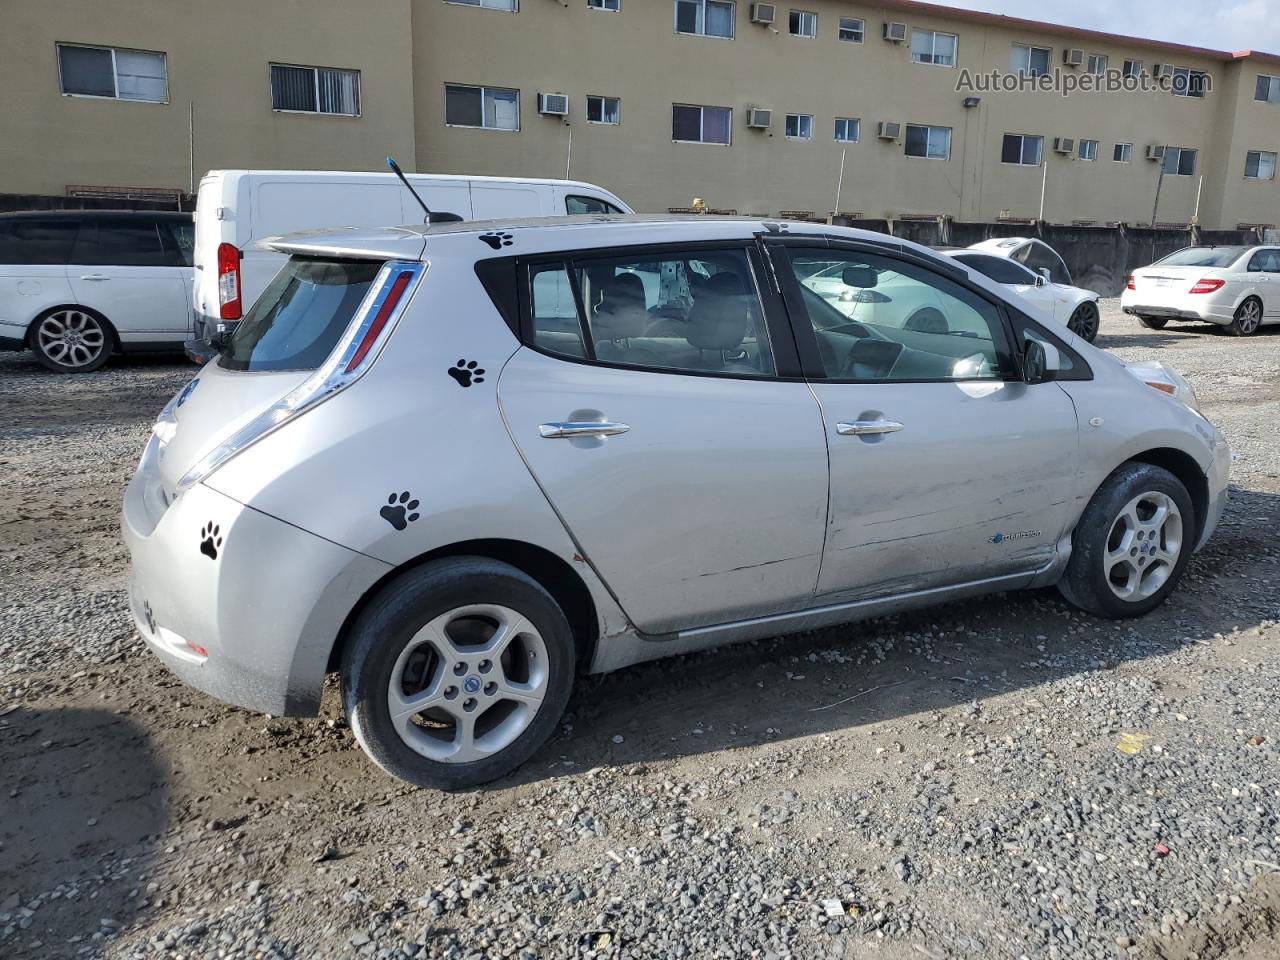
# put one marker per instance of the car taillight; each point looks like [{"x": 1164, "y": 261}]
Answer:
[
  {"x": 229, "y": 306},
  {"x": 1208, "y": 285},
  {"x": 1130, "y": 283},
  {"x": 389, "y": 305}
]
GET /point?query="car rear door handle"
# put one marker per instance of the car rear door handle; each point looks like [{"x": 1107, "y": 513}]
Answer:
[
  {"x": 567, "y": 431},
  {"x": 868, "y": 428},
  {"x": 96, "y": 277}
]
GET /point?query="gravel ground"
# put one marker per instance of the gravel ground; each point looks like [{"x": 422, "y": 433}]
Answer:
[{"x": 942, "y": 785}]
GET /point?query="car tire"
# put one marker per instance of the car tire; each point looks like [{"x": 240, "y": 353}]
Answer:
[
  {"x": 1132, "y": 543},
  {"x": 1085, "y": 321},
  {"x": 71, "y": 340},
  {"x": 1153, "y": 323},
  {"x": 1248, "y": 318},
  {"x": 426, "y": 702}
]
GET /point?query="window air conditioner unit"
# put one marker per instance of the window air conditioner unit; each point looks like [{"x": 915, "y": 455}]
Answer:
[
  {"x": 553, "y": 104},
  {"x": 1073, "y": 56},
  {"x": 1155, "y": 153},
  {"x": 1064, "y": 145},
  {"x": 759, "y": 119},
  {"x": 1163, "y": 70},
  {"x": 895, "y": 32},
  {"x": 888, "y": 130},
  {"x": 764, "y": 13}
]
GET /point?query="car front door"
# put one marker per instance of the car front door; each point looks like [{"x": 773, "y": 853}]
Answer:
[
  {"x": 656, "y": 415},
  {"x": 946, "y": 469},
  {"x": 1033, "y": 288},
  {"x": 128, "y": 269},
  {"x": 33, "y": 270}
]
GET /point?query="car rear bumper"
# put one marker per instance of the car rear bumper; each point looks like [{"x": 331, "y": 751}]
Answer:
[
  {"x": 237, "y": 603},
  {"x": 1207, "y": 311}
]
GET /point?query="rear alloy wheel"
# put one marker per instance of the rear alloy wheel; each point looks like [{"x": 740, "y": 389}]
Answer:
[
  {"x": 1248, "y": 318},
  {"x": 1132, "y": 543},
  {"x": 71, "y": 341},
  {"x": 457, "y": 672},
  {"x": 1153, "y": 323},
  {"x": 1085, "y": 321}
]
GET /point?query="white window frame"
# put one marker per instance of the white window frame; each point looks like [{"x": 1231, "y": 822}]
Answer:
[
  {"x": 702, "y": 109},
  {"x": 702, "y": 19},
  {"x": 927, "y": 155},
  {"x": 483, "y": 90},
  {"x": 488, "y": 5},
  {"x": 1126, "y": 153},
  {"x": 799, "y": 134},
  {"x": 1081, "y": 151},
  {"x": 799, "y": 16},
  {"x": 857, "y": 129},
  {"x": 1097, "y": 63},
  {"x": 1022, "y": 147},
  {"x": 933, "y": 46},
  {"x": 1260, "y": 154},
  {"x": 846, "y": 24},
  {"x": 1029, "y": 49},
  {"x": 1273, "y": 88},
  {"x": 1169, "y": 151},
  {"x": 315, "y": 79},
  {"x": 115, "y": 72},
  {"x": 1186, "y": 92},
  {"x": 608, "y": 6},
  {"x": 1131, "y": 68},
  {"x": 603, "y": 100}
]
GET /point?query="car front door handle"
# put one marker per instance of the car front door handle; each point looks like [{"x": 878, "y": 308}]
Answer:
[
  {"x": 868, "y": 428},
  {"x": 96, "y": 277},
  {"x": 568, "y": 431}
]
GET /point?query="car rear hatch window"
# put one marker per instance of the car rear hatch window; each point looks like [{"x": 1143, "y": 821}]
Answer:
[{"x": 301, "y": 315}]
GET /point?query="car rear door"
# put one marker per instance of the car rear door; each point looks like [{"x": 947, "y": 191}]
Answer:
[
  {"x": 128, "y": 269},
  {"x": 667, "y": 424},
  {"x": 946, "y": 469},
  {"x": 1264, "y": 277}
]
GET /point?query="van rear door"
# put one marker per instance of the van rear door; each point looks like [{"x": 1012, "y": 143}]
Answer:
[{"x": 500, "y": 201}]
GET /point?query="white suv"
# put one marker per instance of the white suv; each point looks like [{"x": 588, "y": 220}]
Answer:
[
  {"x": 1233, "y": 287},
  {"x": 76, "y": 286},
  {"x": 460, "y": 464}
]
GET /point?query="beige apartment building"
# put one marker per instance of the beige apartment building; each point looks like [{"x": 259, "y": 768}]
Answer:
[{"x": 894, "y": 109}]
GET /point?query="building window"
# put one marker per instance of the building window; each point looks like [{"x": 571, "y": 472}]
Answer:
[
  {"x": 848, "y": 129},
  {"x": 1097, "y": 64},
  {"x": 1123, "y": 153},
  {"x": 852, "y": 30},
  {"x": 1132, "y": 69},
  {"x": 929, "y": 46},
  {"x": 491, "y": 108},
  {"x": 113, "y": 73},
  {"x": 799, "y": 126},
  {"x": 1022, "y": 149},
  {"x": 1260, "y": 165},
  {"x": 508, "y": 5},
  {"x": 691, "y": 124},
  {"x": 803, "y": 24},
  {"x": 1030, "y": 61},
  {"x": 1088, "y": 150},
  {"x": 603, "y": 5},
  {"x": 1189, "y": 83},
  {"x": 602, "y": 109},
  {"x": 1268, "y": 90},
  {"x": 706, "y": 18},
  {"x": 1179, "y": 162},
  {"x": 315, "y": 90},
  {"x": 931, "y": 142}
]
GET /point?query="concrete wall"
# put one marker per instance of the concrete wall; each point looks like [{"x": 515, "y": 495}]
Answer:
[{"x": 218, "y": 57}]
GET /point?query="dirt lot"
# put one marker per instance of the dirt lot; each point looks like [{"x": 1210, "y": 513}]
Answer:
[{"x": 949, "y": 782}]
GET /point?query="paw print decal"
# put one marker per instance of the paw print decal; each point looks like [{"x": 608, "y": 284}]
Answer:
[
  {"x": 467, "y": 373},
  {"x": 210, "y": 541},
  {"x": 497, "y": 240},
  {"x": 399, "y": 511},
  {"x": 149, "y": 617}
]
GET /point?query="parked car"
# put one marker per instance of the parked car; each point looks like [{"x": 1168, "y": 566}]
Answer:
[
  {"x": 77, "y": 286},
  {"x": 1074, "y": 307},
  {"x": 236, "y": 209},
  {"x": 458, "y": 493},
  {"x": 1236, "y": 287}
]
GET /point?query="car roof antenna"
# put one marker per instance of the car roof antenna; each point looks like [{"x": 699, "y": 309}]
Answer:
[{"x": 430, "y": 217}]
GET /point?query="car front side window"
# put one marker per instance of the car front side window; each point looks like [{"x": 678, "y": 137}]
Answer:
[
  {"x": 879, "y": 319},
  {"x": 674, "y": 311}
]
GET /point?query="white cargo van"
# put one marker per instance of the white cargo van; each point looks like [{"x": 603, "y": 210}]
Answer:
[{"x": 236, "y": 209}]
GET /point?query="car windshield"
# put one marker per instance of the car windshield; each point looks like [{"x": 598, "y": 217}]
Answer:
[
  {"x": 300, "y": 317},
  {"x": 1202, "y": 257}
]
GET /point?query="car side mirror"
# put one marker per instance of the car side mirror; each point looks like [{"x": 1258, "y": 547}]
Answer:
[
  {"x": 864, "y": 277},
  {"x": 1044, "y": 272},
  {"x": 1041, "y": 362},
  {"x": 1040, "y": 280}
]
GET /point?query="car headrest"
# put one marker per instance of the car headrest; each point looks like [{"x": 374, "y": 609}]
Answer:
[
  {"x": 621, "y": 313},
  {"x": 719, "y": 316}
]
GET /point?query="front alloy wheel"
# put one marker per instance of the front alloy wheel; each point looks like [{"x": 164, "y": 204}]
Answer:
[
  {"x": 1085, "y": 321},
  {"x": 1144, "y": 546},
  {"x": 71, "y": 341}
]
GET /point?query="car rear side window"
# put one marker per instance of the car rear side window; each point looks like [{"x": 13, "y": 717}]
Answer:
[
  {"x": 122, "y": 242},
  {"x": 301, "y": 316},
  {"x": 37, "y": 242}
]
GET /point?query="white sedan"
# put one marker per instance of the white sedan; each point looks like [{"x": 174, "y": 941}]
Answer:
[{"x": 1235, "y": 287}]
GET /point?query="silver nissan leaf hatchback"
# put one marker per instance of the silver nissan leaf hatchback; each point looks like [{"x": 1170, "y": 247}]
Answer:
[{"x": 460, "y": 464}]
